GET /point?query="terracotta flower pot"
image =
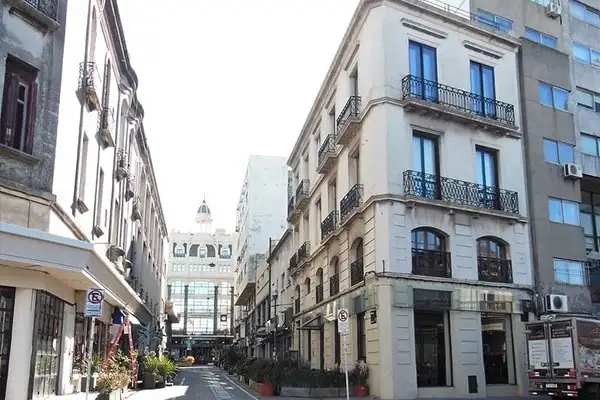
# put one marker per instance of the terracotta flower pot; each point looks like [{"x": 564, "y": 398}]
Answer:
[
  {"x": 266, "y": 389},
  {"x": 361, "y": 390}
]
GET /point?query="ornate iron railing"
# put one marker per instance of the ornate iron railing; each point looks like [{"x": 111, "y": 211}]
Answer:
[
  {"x": 350, "y": 111},
  {"x": 122, "y": 158},
  {"x": 297, "y": 306},
  {"x": 47, "y": 7},
  {"x": 327, "y": 148},
  {"x": 418, "y": 88},
  {"x": 304, "y": 252},
  {"x": 319, "y": 293},
  {"x": 106, "y": 118},
  {"x": 329, "y": 225},
  {"x": 302, "y": 191},
  {"x": 455, "y": 191},
  {"x": 291, "y": 206},
  {"x": 431, "y": 263},
  {"x": 351, "y": 201},
  {"x": 357, "y": 272},
  {"x": 334, "y": 284},
  {"x": 87, "y": 75},
  {"x": 494, "y": 270},
  {"x": 293, "y": 261}
]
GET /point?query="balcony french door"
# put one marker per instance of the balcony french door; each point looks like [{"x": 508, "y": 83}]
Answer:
[
  {"x": 487, "y": 178},
  {"x": 7, "y": 302},
  {"x": 423, "y": 69},
  {"x": 483, "y": 89},
  {"x": 425, "y": 164}
]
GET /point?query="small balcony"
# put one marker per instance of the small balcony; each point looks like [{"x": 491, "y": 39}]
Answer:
[
  {"x": 293, "y": 262},
  {"x": 357, "y": 272},
  {"x": 302, "y": 194},
  {"x": 89, "y": 87},
  {"x": 348, "y": 121},
  {"x": 303, "y": 254},
  {"x": 446, "y": 102},
  {"x": 334, "y": 284},
  {"x": 42, "y": 13},
  {"x": 293, "y": 212},
  {"x": 351, "y": 202},
  {"x": 494, "y": 270},
  {"x": 456, "y": 192},
  {"x": 329, "y": 225},
  {"x": 122, "y": 170},
  {"x": 105, "y": 128},
  {"x": 136, "y": 210},
  {"x": 319, "y": 293},
  {"x": 327, "y": 155},
  {"x": 296, "y": 306},
  {"x": 130, "y": 187},
  {"x": 431, "y": 263}
]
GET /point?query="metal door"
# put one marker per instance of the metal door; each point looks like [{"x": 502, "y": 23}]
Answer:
[{"x": 7, "y": 303}]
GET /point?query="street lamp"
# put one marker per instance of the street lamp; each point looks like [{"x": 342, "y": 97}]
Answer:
[{"x": 274, "y": 297}]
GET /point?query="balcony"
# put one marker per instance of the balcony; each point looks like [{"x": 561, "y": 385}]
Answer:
[
  {"x": 302, "y": 194},
  {"x": 303, "y": 254},
  {"x": 446, "y": 102},
  {"x": 293, "y": 262},
  {"x": 431, "y": 263},
  {"x": 334, "y": 284},
  {"x": 293, "y": 212},
  {"x": 329, "y": 225},
  {"x": 105, "y": 128},
  {"x": 456, "y": 192},
  {"x": 42, "y": 13},
  {"x": 357, "y": 272},
  {"x": 90, "y": 83},
  {"x": 319, "y": 293},
  {"x": 351, "y": 202},
  {"x": 327, "y": 155},
  {"x": 122, "y": 170},
  {"x": 494, "y": 270},
  {"x": 130, "y": 187},
  {"x": 136, "y": 210},
  {"x": 347, "y": 122}
]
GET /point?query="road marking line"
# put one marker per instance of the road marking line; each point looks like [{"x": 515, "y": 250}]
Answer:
[{"x": 241, "y": 388}]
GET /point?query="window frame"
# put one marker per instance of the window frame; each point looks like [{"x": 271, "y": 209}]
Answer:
[
  {"x": 586, "y": 10},
  {"x": 563, "y": 202},
  {"x": 568, "y": 281},
  {"x": 509, "y": 352},
  {"x": 447, "y": 334},
  {"x": 587, "y": 136},
  {"x": 557, "y": 146},
  {"x": 540, "y": 37},
  {"x": 595, "y": 97},
  {"x": 553, "y": 90}
]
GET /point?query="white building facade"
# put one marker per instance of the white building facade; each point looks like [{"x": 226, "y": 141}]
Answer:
[{"x": 410, "y": 209}]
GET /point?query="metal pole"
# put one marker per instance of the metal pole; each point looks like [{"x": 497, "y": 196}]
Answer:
[
  {"x": 90, "y": 352},
  {"x": 275, "y": 330},
  {"x": 215, "y": 309},
  {"x": 346, "y": 367},
  {"x": 231, "y": 310}
]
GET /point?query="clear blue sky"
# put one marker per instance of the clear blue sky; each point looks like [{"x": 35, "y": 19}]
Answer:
[{"x": 220, "y": 80}]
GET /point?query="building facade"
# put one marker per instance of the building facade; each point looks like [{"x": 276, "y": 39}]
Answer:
[
  {"x": 429, "y": 251},
  {"x": 200, "y": 287},
  {"x": 260, "y": 216}
]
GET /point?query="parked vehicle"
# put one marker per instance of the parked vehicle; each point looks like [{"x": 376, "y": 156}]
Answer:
[{"x": 564, "y": 357}]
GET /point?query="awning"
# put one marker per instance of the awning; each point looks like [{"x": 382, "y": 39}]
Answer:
[{"x": 311, "y": 323}]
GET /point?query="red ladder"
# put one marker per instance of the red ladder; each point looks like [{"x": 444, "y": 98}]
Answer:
[{"x": 125, "y": 328}]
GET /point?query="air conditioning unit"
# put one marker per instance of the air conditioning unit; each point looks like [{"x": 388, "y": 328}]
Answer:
[
  {"x": 557, "y": 302},
  {"x": 573, "y": 171},
  {"x": 554, "y": 9}
]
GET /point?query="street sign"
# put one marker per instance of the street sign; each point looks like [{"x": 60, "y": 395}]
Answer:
[
  {"x": 94, "y": 301},
  {"x": 343, "y": 318}
]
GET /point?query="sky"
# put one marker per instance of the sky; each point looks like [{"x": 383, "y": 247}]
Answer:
[{"x": 220, "y": 80}]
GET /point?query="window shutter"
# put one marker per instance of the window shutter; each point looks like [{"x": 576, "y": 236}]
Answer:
[
  {"x": 8, "y": 113},
  {"x": 31, "y": 120}
]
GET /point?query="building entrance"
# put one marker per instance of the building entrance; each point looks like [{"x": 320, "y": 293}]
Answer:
[{"x": 7, "y": 305}]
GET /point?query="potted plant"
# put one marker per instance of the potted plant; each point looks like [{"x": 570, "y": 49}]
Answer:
[
  {"x": 166, "y": 369},
  {"x": 360, "y": 377},
  {"x": 151, "y": 364},
  {"x": 96, "y": 363},
  {"x": 111, "y": 380}
]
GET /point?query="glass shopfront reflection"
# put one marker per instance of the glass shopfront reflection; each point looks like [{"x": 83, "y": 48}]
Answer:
[{"x": 498, "y": 354}]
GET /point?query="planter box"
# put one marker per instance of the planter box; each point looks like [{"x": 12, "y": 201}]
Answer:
[
  {"x": 115, "y": 395},
  {"x": 312, "y": 392}
]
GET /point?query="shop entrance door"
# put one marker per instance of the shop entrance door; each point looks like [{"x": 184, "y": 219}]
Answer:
[{"x": 7, "y": 304}]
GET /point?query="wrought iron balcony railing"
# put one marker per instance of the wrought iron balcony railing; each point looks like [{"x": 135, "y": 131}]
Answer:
[
  {"x": 47, "y": 7},
  {"x": 122, "y": 159},
  {"x": 464, "y": 193},
  {"x": 89, "y": 84},
  {"x": 293, "y": 261},
  {"x": 319, "y": 293},
  {"x": 297, "y": 306},
  {"x": 351, "y": 202},
  {"x": 329, "y": 225},
  {"x": 302, "y": 192},
  {"x": 414, "y": 87},
  {"x": 304, "y": 253},
  {"x": 431, "y": 263},
  {"x": 334, "y": 284},
  {"x": 357, "y": 272},
  {"x": 494, "y": 270},
  {"x": 291, "y": 206},
  {"x": 328, "y": 148},
  {"x": 350, "y": 111}
]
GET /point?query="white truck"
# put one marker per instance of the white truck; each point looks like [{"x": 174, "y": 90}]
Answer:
[{"x": 564, "y": 357}]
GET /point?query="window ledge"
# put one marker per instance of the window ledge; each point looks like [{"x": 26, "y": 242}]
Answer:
[
  {"x": 32, "y": 15},
  {"x": 18, "y": 155}
]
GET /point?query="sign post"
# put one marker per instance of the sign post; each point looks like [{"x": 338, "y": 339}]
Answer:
[
  {"x": 94, "y": 301},
  {"x": 343, "y": 318}
]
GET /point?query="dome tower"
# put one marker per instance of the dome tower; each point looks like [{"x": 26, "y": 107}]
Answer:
[{"x": 203, "y": 217}]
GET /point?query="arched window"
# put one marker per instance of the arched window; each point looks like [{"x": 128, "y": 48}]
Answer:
[
  {"x": 202, "y": 252},
  {"x": 210, "y": 250},
  {"x": 225, "y": 253},
  {"x": 492, "y": 261},
  {"x": 297, "y": 300},
  {"x": 320, "y": 276},
  {"x": 334, "y": 277},
  {"x": 319, "y": 287},
  {"x": 179, "y": 251},
  {"x": 429, "y": 256},
  {"x": 427, "y": 239},
  {"x": 490, "y": 247},
  {"x": 357, "y": 270},
  {"x": 307, "y": 285}
]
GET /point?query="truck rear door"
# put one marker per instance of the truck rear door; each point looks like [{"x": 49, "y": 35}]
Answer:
[
  {"x": 561, "y": 347},
  {"x": 538, "y": 351}
]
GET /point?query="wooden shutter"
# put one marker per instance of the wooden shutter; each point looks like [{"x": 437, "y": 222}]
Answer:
[
  {"x": 9, "y": 110},
  {"x": 31, "y": 114}
]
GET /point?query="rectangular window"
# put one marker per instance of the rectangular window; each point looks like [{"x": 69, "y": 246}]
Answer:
[
  {"x": 494, "y": 21},
  {"x": 553, "y": 96},
  {"x": 83, "y": 172},
  {"x": 361, "y": 337},
  {"x": 585, "y": 13},
  {"x": 588, "y": 99},
  {"x": 432, "y": 338},
  {"x": 558, "y": 152},
  {"x": 586, "y": 55},
  {"x": 483, "y": 85},
  {"x": 569, "y": 272},
  {"x": 423, "y": 70},
  {"x": 589, "y": 145},
  {"x": 100, "y": 195},
  {"x": 498, "y": 353},
  {"x": 563, "y": 211},
  {"x": 486, "y": 167},
  {"x": 425, "y": 165},
  {"x": 541, "y": 38},
  {"x": 17, "y": 120},
  {"x": 337, "y": 350}
]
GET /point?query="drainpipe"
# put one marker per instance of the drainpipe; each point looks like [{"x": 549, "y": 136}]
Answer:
[
  {"x": 114, "y": 171},
  {"x": 81, "y": 111}
]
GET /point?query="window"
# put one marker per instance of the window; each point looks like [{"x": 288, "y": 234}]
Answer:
[
  {"x": 541, "y": 38},
  {"x": 486, "y": 166},
  {"x": 423, "y": 69},
  {"x": 482, "y": 84},
  {"x": 563, "y": 211},
  {"x": 425, "y": 166},
  {"x": 202, "y": 288},
  {"x": 553, "y": 96},
  {"x": 586, "y": 55},
  {"x": 83, "y": 171},
  {"x": 590, "y": 219},
  {"x": 179, "y": 251},
  {"x": 194, "y": 250},
  {"x": 337, "y": 348},
  {"x": 588, "y": 99},
  {"x": 498, "y": 354},
  {"x": 177, "y": 287},
  {"x": 432, "y": 355},
  {"x": 179, "y": 268},
  {"x": 589, "y": 145},
  {"x": 585, "y": 13},
  {"x": 210, "y": 251},
  {"x": 491, "y": 248},
  {"x": 224, "y": 288},
  {"x": 202, "y": 252},
  {"x": 17, "y": 122},
  {"x": 558, "y": 152},
  {"x": 569, "y": 272},
  {"x": 361, "y": 337},
  {"x": 494, "y": 21},
  {"x": 225, "y": 253},
  {"x": 100, "y": 195}
]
